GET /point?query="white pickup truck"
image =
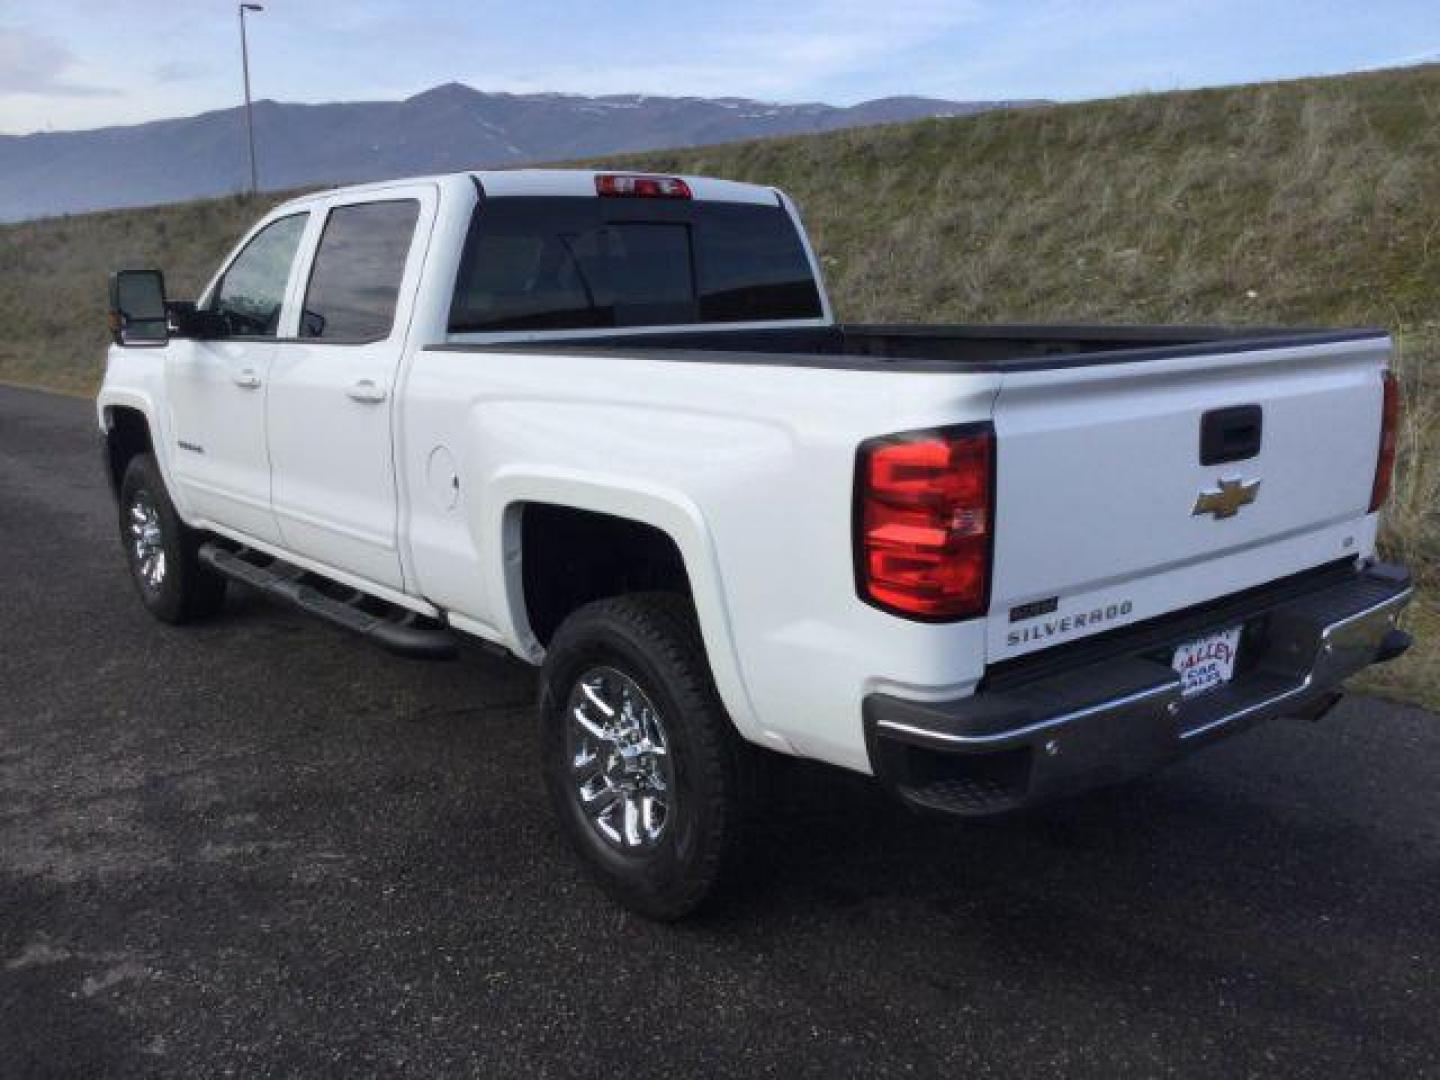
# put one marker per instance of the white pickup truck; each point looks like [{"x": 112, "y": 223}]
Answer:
[{"x": 608, "y": 423}]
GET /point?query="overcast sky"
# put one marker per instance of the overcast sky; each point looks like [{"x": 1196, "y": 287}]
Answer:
[{"x": 89, "y": 63}]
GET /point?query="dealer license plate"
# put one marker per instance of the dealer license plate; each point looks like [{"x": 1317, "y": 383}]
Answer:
[{"x": 1207, "y": 663}]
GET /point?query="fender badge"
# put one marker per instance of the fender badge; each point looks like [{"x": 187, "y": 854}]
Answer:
[{"x": 1227, "y": 499}]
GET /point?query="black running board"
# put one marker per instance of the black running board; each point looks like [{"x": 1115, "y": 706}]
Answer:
[{"x": 390, "y": 626}]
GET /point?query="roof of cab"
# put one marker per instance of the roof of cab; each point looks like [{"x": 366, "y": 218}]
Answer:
[
  {"x": 581, "y": 182},
  {"x": 569, "y": 182}
]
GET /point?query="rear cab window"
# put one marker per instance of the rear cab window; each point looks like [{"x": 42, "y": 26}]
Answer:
[{"x": 574, "y": 263}]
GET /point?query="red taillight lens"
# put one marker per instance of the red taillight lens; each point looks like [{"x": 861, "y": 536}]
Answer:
[
  {"x": 923, "y": 514},
  {"x": 645, "y": 187},
  {"x": 1389, "y": 436}
]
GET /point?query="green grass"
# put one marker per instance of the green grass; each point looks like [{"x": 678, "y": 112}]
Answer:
[{"x": 1314, "y": 202}]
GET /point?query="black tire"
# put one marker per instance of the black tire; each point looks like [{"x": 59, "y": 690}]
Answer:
[
  {"x": 652, "y": 639},
  {"x": 185, "y": 589}
]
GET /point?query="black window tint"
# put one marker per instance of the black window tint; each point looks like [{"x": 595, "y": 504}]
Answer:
[
  {"x": 251, "y": 293},
  {"x": 527, "y": 267},
  {"x": 356, "y": 277},
  {"x": 752, "y": 266},
  {"x": 579, "y": 263},
  {"x": 651, "y": 277}
]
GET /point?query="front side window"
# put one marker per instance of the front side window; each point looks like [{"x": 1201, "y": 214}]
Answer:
[
  {"x": 569, "y": 263},
  {"x": 252, "y": 292},
  {"x": 358, "y": 267}
]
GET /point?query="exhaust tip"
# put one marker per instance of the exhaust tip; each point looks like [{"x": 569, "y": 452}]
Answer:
[{"x": 1396, "y": 643}]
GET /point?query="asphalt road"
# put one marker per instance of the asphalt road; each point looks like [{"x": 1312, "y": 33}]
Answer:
[{"x": 259, "y": 847}]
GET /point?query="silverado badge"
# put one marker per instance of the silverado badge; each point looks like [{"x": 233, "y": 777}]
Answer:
[{"x": 1226, "y": 501}]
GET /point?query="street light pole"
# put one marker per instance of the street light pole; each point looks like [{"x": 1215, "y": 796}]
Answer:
[{"x": 245, "y": 68}]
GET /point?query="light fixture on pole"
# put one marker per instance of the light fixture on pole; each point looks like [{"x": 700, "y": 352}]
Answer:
[{"x": 245, "y": 69}]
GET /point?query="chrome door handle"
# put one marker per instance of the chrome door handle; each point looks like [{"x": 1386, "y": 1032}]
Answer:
[
  {"x": 367, "y": 392},
  {"x": 248, "y": 380}
]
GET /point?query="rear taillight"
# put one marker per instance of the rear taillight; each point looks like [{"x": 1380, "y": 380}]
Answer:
[
  {"x": 924, "y": 522},
  {"x": 1389, "y": 435},
  {"x": 644, "y": 187}
]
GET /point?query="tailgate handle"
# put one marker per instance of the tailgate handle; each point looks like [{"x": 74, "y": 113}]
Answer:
[{"x": 1231, "y": 434}]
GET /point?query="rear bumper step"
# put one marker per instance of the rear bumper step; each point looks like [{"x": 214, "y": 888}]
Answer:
[
  {"x": 1123, "y": 715},
  {"x": 394, "y": 629}
]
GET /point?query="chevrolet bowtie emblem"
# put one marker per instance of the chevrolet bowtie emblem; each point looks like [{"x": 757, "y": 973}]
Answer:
[{"x": 1226, "y": 501}]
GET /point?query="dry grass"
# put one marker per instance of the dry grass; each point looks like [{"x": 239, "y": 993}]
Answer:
[
  {"x": 53, "y": 273},
  {"x": 1412, "y": 519},
  {"x": 1415, "y": 677},
  {"x": 1314, "y": 202}
]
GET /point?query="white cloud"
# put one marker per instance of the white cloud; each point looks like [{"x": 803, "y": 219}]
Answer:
[
  {"x": 785, "y": 51},
  {"x": 176, "y": 71},
  {"x": 32, "y": 63}
]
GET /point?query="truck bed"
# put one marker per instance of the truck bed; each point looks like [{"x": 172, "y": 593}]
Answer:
[
  {"x": 1102, "y": 432},
  {"x": 942, "y": 347}
]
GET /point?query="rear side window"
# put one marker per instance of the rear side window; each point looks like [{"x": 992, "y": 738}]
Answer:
[
  {"x": 579, "y": 263},
  {"x": 358, "y": 266}
]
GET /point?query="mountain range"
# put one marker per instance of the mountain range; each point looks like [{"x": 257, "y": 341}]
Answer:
[{"x": 447, "y": 128}]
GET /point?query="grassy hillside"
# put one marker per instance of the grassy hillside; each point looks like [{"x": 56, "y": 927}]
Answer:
[
  {"x": 53, "y": 273},
  {"x": 1310, "y": 202}
]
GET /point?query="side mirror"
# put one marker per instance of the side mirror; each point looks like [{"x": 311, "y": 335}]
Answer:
[{"x": 137, "y": 308}]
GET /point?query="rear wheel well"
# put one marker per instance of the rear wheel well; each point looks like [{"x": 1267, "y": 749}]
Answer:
[
  {"x": 127, "y": 434},
  {"x": 571, "y": 557}
]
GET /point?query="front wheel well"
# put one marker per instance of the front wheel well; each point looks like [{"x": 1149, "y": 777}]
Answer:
[
  {"x": 572, "y": 557},
  {"x": 127, "y": 433}
]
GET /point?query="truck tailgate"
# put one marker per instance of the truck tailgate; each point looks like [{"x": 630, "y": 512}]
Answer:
[{"x": 1099, "y": 472}]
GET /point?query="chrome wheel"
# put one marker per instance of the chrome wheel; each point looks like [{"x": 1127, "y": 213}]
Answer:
[
  {"x": 147, "y": 542},
  {"x": 621, "y": 764}
]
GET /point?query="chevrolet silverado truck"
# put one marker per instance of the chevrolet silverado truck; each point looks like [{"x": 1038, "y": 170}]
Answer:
[{"x": 607, "y": 422}]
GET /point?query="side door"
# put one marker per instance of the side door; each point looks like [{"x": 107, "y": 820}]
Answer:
[
  {"x": 216, "y": 387},
  {"x": 332, "y": 390}
]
